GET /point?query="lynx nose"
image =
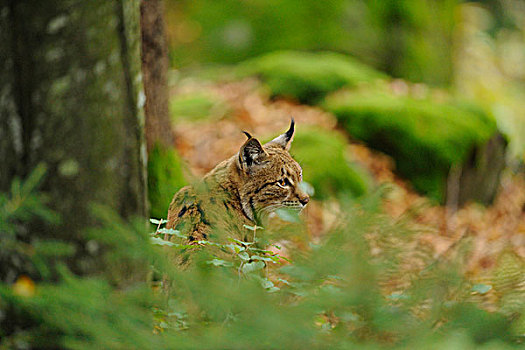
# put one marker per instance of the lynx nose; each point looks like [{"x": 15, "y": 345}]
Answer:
[{"x": 304, "y": 200}]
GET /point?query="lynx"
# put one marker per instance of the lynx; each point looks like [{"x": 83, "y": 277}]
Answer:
[{"x": 240, "y": 191}]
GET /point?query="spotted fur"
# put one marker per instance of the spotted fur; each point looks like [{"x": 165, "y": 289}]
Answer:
[{"x": 240, "y": 191}]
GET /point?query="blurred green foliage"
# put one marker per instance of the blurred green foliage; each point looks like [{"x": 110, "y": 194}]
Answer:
[
  {"x": 109, "y": 311},
  {"x": 330, "y": 295},
  {"x": 165, "y": 177},
  {"x": 425, "y": 131},
  {"x": 196, "y": 106},
  {"x": 426, "y": 138},
  {"x": 489, "y": 66},
  {"x": 307, "y": 77},
  {"x": 231, "y": 31},
  {"x": 406, "y": 38},
  {"x": 412, "y": 39},
  {"x": 321, "y": 154},
  {"x": 21, "y": 251},
  {"x": 77, "y": 313}
]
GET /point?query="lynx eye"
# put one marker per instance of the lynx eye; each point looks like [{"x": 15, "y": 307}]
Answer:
[{"x": 283, "y": 183}]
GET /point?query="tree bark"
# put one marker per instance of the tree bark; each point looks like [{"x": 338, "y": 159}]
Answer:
[
  {"x": 480, "y": 175},
  {"x": 70, "y": 97},
  {"x": 155, "y": 68}
]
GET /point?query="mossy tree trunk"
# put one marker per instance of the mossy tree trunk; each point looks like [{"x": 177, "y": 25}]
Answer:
[
  {"x": 70, "y": 97},
  {"x": 164, "y": 168}
]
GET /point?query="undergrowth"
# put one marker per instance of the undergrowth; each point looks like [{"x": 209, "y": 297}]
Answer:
[{"x": 365, "y": 284}]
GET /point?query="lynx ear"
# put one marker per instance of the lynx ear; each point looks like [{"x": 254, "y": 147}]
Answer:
[
  {"x": 285, "y": 140},
  {"x": 251, "y": 153}
]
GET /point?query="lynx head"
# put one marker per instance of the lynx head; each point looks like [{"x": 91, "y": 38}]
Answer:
[{"x": 269, "y": 176}]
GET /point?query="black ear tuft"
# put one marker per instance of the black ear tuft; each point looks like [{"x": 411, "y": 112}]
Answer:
[
  {"x": 289, "y": 134},
  {"x": 247, "y": 134},
  {"x": 285, "y": 140}
]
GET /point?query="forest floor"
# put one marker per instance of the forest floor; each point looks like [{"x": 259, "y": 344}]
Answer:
[{"x": 491, "y": 231}]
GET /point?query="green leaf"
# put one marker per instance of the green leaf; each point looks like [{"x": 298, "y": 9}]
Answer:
[
  {"x": 244, "y": 256},
  {"x": 169, "y": 231},
  {"x": 284, "y": 281},
  {"x": 335, "y": 277},
  {"x": 276, "y": 258},
  {"x": 260, "y": 251},
  {"x": 252, "y": 267},
  {"x": 288, "y": 215},
  {"x": 212, "y": 244},
  {"x": 158, "y": 222},
  {"x": 481, "y": 288},
  {"x": 253, "y": 228},
  {"x": 236, "y": 248},
  {"x": 240, "y": 242},
  {"x": 397, "y": 296},
  {"x": 266, "y": 283},
  {"x": 160, "y": 241},
  {"x": 219, "y": 262},
  {"x": 348, "y": 316},
  {"x": 182, "y": 246},
  {"x": 262, "y": 258}
]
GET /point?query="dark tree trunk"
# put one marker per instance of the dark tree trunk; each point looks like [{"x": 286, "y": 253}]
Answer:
[
  {"x": 480, "y": 176},
  {"x": 70, "y": 98},
  {"x": 155, "y": 68}
]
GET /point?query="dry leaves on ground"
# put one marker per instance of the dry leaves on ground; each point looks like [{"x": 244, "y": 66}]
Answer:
[{"x": 491, "y": 230}]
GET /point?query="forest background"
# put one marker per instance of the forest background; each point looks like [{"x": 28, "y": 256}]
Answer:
[{"x": 410, "y": 130}]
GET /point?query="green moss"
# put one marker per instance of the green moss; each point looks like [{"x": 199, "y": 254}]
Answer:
[
  {"x": 197, "y": 106},
  {"x": 306, "y": 76},
  {"x": 424, "y": 137},
  {"x": 321, "y": 155},
  {"x": 165, "y": 177}
]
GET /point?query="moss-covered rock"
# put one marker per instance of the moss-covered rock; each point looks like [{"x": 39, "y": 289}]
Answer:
[
  {"x": 307, "y": 76},
  {"x": 426, "y": 138},
  {"x": 321, "y": 154},
  {"x": 165, "y": 178},
  {"x": 197, "y": 106}
]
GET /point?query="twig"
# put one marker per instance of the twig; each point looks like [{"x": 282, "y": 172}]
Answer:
[{"x": 440, "y": 257}]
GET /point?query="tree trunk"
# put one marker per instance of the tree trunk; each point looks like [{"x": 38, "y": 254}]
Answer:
[
  {"x": 155, "y": 68},
  {"x": 70, "y": 98},
  {"x": 480, "y": 175},
  {"x": 164, "y": 165}
]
